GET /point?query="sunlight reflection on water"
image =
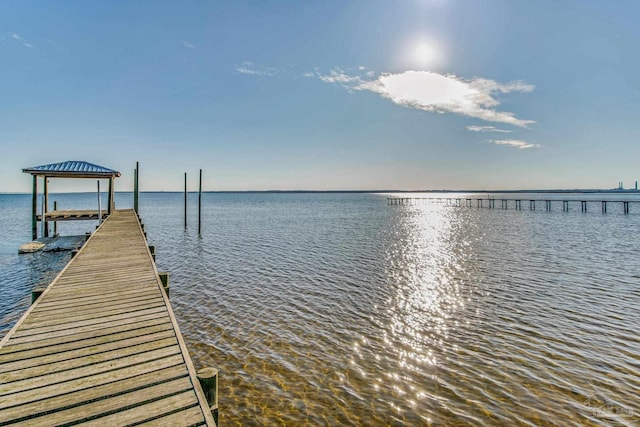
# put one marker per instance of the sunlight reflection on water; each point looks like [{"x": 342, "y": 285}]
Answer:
[{"x": 337, "y": 309}]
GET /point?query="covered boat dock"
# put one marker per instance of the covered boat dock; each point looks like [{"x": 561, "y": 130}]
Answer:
[{"x": 68, "y": 169}]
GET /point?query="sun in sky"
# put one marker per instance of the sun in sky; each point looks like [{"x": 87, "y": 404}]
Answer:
[{"x": 424, "y": 54}]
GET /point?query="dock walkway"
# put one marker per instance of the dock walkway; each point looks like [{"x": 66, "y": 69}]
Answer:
[{"x": 101, "y": 345}]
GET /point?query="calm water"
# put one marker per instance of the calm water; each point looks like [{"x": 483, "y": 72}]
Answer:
[{"x": 337, "y": 309}]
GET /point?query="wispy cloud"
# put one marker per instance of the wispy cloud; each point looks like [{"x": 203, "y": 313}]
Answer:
[
  {"x": 21, "y": 40},
  {"x": 250, "y": 69},
  {"x": 440, "y": 93},
  {"x": 188, "y": 45},
  {"x": 339, "y": 76},
  {"x": 486, "y": 129},
  {"x": 515, "y": 143}
]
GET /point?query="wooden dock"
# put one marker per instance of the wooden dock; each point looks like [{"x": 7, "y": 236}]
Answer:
[{"x": 101, "y": 345}]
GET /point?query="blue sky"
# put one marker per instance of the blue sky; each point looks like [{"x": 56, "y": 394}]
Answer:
[{"x": 403, "y": 94}]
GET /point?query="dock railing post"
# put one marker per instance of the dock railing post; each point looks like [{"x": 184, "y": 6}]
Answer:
[{"x": 208, "y": 378}]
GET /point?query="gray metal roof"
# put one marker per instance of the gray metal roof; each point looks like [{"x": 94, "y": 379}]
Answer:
[{"x": 72, "y": 169}]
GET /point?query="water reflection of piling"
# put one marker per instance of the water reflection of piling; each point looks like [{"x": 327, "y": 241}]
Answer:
[{"x": 504, "y": 203}]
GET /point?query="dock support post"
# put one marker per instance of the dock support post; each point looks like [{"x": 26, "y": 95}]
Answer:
[
  {"x": 111, "y": 201},
  {"x": 200, "y": 205},
  {"x": 532, "y": 205},
  {"x": 565, "y": 206},
  {"x": 518, "y": 205},
  {"x": 35, "y": 294},
  {"x": 34, "y": 209},
  {"x": 625, "y": 206},
  {"x": 604, "y": 206},
  {"x": 208, "y": 378},
  {"x": 55, "y": 223},
  {"x": 99, "y": 205},
  {"x": 45, "y": 208},
  {"x": 164, "y": 278},
  {"x": 152, "y": 249},
  {"x": 185, "y": 200},
  {"x": 547, "y": 204},
  {"x": 583, "y": 205},
  {"x": 135, "y": 187}
]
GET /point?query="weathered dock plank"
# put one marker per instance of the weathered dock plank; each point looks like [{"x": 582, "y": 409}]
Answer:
[{"x": 101, "y": 345}]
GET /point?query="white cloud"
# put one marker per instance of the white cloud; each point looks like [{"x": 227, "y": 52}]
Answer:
[
  {"x": 22, "y": 41},
  {"x": 338, "y": 76},
  {"x": 309, "y": 74},
  {"x": 486, "y": 129},
  {"x": 250, "y": 69},
  {"x": 187, "y": 44},
  {"x": 441, "y": 93},
  {"x": 516, "y": 143}
]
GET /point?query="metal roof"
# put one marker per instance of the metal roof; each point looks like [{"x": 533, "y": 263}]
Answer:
[{"x": 72, "y": 169}]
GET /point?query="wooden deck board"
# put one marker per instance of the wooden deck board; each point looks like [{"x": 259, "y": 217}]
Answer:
[
  {"x": 101, "y": 346},
  {"x": 78, "y": 398},
  {"x": 120, "y": 402}
]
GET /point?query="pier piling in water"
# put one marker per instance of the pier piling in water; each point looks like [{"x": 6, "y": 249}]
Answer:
[
  {"x": 208, "y": 378},
  {"x": 504, "y": 203},
  {"x": 200, "y": 205},
  {"x": 136, "y": 175}
]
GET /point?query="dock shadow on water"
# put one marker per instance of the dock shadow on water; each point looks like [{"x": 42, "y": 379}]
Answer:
[{"x": 337, "y": 309}]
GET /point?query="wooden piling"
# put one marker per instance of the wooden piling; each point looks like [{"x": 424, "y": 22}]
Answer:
[
  {"x": 55, "y": 223},
  {"x": 565, "y": 206},
  {"x": 135, "y": 188},
  {"x": 200, "y": 205},
  {"x": 45, "y": 208},
  {"x": 34, "y": 207},
  {"x": 583, "y": 205},
  {"x": 208, "y": 378},
  {"x": 185, "y": 200},
  {"x": 604, "y": 206},
  {"x": 35, "y": 294},
  {"x": 625, "y": 206},
  {"x": 99, "y": 205},
  {"x": 164, "y": 278}
]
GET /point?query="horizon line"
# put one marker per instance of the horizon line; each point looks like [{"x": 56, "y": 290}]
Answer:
[{"x": 574, "y": 190}]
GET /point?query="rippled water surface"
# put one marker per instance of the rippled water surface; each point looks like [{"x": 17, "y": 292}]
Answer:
[{"x": 338, "y": 309}]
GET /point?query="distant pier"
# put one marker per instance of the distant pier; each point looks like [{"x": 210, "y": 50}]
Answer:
[{"x": 581, "y": 205}]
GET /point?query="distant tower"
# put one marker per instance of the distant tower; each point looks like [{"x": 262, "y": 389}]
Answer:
[{"x": 636, "y": 185}]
